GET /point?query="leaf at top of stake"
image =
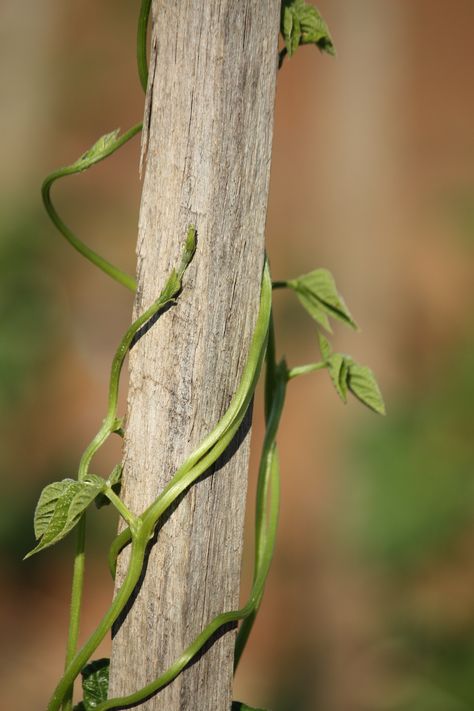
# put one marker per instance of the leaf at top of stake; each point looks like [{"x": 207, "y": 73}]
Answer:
[
  {"x": 60, "y": 506},
  {"x": 301, "y": 23},
  {"x": 318, "y": 294},
  {"x": 95, "y": 684}
]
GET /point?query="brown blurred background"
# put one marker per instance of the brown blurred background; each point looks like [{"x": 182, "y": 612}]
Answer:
[{"x": 370, "y": 602}]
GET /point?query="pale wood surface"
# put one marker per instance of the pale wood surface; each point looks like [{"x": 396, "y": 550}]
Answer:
[{"x": 206, "y": 157}]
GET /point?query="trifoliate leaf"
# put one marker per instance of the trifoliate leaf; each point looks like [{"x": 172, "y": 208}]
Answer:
[
  {"x": 301, "y": 24},
  {"x": 363, "y": 385},
  {"x": 95, "y": 683},
  {"x": 60, "y": 506},
  {"x": 318, "y": 294},
  {"x": 324, "y": 346}
]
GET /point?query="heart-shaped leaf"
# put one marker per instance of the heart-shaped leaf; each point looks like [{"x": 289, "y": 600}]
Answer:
[{"x": 60, "y": 506}]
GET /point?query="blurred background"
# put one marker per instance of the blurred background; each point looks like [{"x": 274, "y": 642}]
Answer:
[{"x": 370, "y": 602}]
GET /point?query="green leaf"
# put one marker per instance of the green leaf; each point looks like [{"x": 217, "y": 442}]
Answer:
[
  {"x": 314, "y": 30},
  {"x": 346, "y": 375},
  {"x": 239, "y": 706},
  {"x": 47, "y": 503},
  {"x": 338, "y": 372},
  {"x": 343, "y": 377},
  {"x": 363, "y": 385},
  {"x": 60, "y": 506},
  {"x": 318, "y": 294},
  {"x": 312, "y": 306},
  {"x": 95, "y": 683},
  {"x": 301, "y": 23}
]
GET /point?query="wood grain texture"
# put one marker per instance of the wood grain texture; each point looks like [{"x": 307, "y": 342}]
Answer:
[{"x": 206, "y": 153}]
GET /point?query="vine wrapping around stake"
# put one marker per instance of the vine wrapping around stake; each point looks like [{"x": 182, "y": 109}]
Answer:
[{"x": 62, "y": 505}]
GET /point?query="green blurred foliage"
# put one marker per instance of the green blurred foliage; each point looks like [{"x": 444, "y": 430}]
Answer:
[
  {"x": 28, "y": 314},
  {"x": 412, "y": 486},
  {"x": 411, "y": 478}
]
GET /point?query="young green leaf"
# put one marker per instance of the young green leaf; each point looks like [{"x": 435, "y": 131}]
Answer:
[
  {"x": 314, "y": 30},
  {"x": 337, "y": 371},
  {"x": 301, "y": 23},
  {"x": 318, "y": 294},
  {"x": 346, "y": 375},
  {"x": 363, "y": 385},
  {"x": 60, "y": 506},
  {"x": 95, "y": 684}
]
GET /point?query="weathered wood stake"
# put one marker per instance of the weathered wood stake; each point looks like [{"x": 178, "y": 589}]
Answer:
[{"x": 206, "y": 156}]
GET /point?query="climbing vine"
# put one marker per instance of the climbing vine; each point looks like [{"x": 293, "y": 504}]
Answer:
[{"x": 62, "y": 505}]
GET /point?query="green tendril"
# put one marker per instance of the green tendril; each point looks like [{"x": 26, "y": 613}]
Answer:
[{"x": 102, "y": 149}]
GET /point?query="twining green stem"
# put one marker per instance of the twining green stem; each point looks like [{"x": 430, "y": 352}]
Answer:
[
  {"x": 204, "y": 456},
  {"x": 237, "y": 408},
  {"x": 220, "y": 620},
  {"x": 171, "y": 289},
  {"x": 80, "y": 165},
  {"x": 265, "y": 526},
  {"x": 142, "y": 60},
  {"x": 305, "y": 369},
  {"x": 136, "y": 563}
]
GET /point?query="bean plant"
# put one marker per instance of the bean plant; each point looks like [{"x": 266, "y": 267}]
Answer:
[{"x": 62, "y": 504}]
